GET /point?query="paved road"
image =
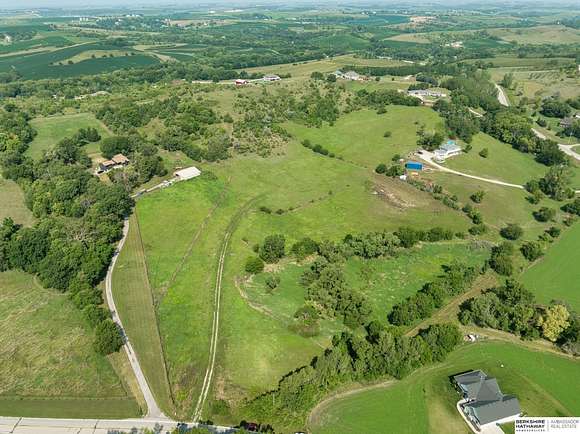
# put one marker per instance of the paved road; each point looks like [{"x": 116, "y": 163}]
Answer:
[
  {"x": 428, "y": 157},
  {"x": 17, "y": 425},
  {"x": 153, "y": 410},
  {"x": 568, "y": 149},
  {"x": 501, "y": 96}
]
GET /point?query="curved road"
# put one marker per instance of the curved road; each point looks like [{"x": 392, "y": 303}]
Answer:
[{"x": 501, "y": 96}]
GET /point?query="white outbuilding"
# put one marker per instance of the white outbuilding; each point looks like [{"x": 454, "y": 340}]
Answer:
[{"x": 187, "y": 173}]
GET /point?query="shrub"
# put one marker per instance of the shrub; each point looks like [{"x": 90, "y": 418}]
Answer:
[
  {"x": 531, "y": 250},
  {"x": 544, "y": 214},
  {"x": 108, "y": 337},
  {"x": 512, "y": 231},
  {"x": 572, "y": 207},
  {"x": 395, "y": 170},
  {"x": 272, "y": 281},
  {"x": 484, "y": 153},
  {"x": 477, "y": 197},
  {"x": 272, "y": 250},
  {"x": 478, "y": 229},
  {"x": 501, "y": 259},
  {"x": 381, "y": 168},
  {"x": 554, "y": 232},
  {"x": 387, "y": 134},
  {"x": 254, "y": 265},
  {"x": 95, "y": 314},
  {"x": 304, "y": 247}
]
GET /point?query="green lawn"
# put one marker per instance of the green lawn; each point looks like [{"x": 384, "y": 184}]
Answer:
[
  {"x": 424, "y": 402},
  {"x": 500, "y": 206},
  {"x": 503, "y": 163},
  {"x": 12, "y": 203},
  {"x": 46, "y": 352},
  {"x": 557, "y": 274},
  {"x": 359, "y": 136},
  {"x": 134, "y": 301},
  {"x": 54, "y": 128}
]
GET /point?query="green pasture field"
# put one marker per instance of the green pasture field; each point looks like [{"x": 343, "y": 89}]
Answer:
[
  {"x": 255, "y": 350},
  {"x": 134, "y": 301},
  {"x": 545, "y": 384},
  {"x": 553, "y": 34},
  {"x": 385, "y": 281},
  {"x": 538, "y": 63},
  {"x": 542, "y": 83},
  {"x": 304, "y": 69},
  {"x": 359, "y": 136},
  {"x": 70, "y": 408},
  {"x": 55, "y": 128},
  {"x": 41, "y": 42},
  {"x": 12, "y": 203},
  {"x": 500, "y": 206},
  {"x": 46, "y": 349},
  {"x": 556, "y": 275},
  {"x": 503, "y": 162}
]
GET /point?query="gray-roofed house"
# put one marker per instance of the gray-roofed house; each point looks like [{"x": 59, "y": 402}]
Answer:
[
  {"x": 447, "y": 150},
  {"x": 484, "y": 403}
]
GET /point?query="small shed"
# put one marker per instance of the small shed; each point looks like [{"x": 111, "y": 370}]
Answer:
[
  {"x": 413, "y": 165},
  {"x": 187, "y": 173}
]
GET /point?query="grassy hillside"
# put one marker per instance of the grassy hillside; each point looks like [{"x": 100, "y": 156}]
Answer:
[
  {"x": 545, "y": 385},
  {"x": 54, "y": 128},
  {"x": 46, "y": 349},
  {"x": 12, "y": 203},
  {"x": 556, "y": 275}
]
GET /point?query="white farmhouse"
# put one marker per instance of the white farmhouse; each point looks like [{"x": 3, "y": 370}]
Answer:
[{"x": 187, "y": 173}]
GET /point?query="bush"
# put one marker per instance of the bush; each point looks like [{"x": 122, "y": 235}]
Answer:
[
  {"x": 501, "y": 259},
  {"x": 108, "y": 338},
  {"x": 544, "y": 214},
  {"x": 512, "y": 231},
  {"x": 304, "y": 247},
  {"x": 477, "y": 197},
  {"x": 572, "y": 207},
  {"x": 484, "y": 153},
  {"x": 554, "y": 232},
  {"x": 395, "y": 170},
  {"x": 272, "y": 281},
  {"x": 254, "y": 265},
  {"x": 478, "y": 229},
  {"x": 531, "y": 250},
  {"x": 95, "y": 314},
  {"x": 381, "y": 168},
  {"x": 387, "y": 134},
  {"x": 272, "y": 250}
]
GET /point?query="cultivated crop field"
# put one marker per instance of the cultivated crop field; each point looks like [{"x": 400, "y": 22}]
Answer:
[{"x": 545, "y": 385}]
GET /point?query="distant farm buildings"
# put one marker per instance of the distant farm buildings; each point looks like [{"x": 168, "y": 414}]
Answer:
[
  {"x": 447, "y": 150},
  {"x": 241, "y": 82},
  {"x": 271, "y": 77},
  {"x": 187, "y": 173},
  {"x": 426, "y": 92},
  {"x": 349, "y": 75},
  {"x": 483, "y": 402},
  {"x": 116, "y": 162}
]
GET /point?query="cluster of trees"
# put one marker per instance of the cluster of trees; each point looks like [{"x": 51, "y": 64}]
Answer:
[
  {"x": 514, "y": 309},
  {"x": 380, "y": 98},
  {"x": 516, "y": 129},
  {"x": 78, "y": 220},
  {"x": 473, "y": 89},
  {"x": 145, "y": 160},
  {"x": 554, "y": 108},
  {"x": 319, "y": 149},
  {"x": 555, "y": 184},
  {"x": 460, "y": 122},
  {"x": 379, "y": 352},
  {"x": 456, "y": 278}
]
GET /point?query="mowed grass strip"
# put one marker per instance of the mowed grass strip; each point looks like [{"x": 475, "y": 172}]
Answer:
[
  {"x": 46, "y": 346},
  {"x": 134, "y": 301},
  {"x": 556, "y": 276},
  {"x": 545, "y": 384},
  {"x": 74, "y": 408},
  {"x": 52, "y": 129}
]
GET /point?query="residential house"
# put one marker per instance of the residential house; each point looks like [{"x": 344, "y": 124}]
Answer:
[
  {"x": 116, "y": 162},
  {"x": 483, "y": 402},
  {"x": 447, "y": 150},
  {"x": 241, "y": 82},
  {"x": 426, "y": 92}
]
